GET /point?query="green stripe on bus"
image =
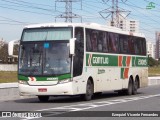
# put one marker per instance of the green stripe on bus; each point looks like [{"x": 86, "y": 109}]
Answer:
[
  {"x": 61, "y": 77},
  {"x": 101, "y": 60},
  {"x": 112, "y": 60},
  {"x": 139, "y": 61}
]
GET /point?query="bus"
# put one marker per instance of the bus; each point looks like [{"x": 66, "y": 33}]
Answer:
[{"x": 84, "y": 59}]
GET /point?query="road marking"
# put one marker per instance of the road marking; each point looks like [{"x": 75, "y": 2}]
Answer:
[{"x": 80, "y": 107}]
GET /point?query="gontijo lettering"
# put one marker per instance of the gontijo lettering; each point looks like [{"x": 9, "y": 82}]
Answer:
[{"x": 100, "y": 60}]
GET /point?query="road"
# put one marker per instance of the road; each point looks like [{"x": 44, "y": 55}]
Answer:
[{"x": 147, "y": 99}]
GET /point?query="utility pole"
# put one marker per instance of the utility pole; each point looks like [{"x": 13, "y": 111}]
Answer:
[
  {"x": 115, "y": 12},
  {"x": 68, "y": 15}
]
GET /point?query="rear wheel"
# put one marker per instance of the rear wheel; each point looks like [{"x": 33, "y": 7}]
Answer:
[
  {"x": 135, "y": 87},
  {"x": 43, "y": 98},
  {"x": 130, "y": 88},
  {"x": 121, "y": 92},
  {"x": 89, "y": 91},
  {"x": 98, "y": 94}
]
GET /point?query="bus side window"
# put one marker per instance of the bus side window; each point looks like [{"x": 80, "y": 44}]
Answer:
[
  {"x": 105, "y": 42},
  {"x": 88, "y": 40},
  {"x": 131, "y": 48},
  {"x": 123, "y": 44},
  {"x": 94, "y": 37},
  {"x": 143, "y": 47},
  {"x": 111, "y": 46},
  {"x": 100, "y": 41},
  {"x": 137, "y": 46}
]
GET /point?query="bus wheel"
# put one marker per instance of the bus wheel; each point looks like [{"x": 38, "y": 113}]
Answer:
[
  {"x": 43, "y": 98},
  {"x": 97, "y": 94},
  {"x": 121, "y": 92},
  {"x": 89, "y": 91},
  {"x": 135, "y": 87},
  {"x": 130, "y": 87}
]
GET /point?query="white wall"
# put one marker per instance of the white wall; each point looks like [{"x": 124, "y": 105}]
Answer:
[{"x": 8, "y": 67}]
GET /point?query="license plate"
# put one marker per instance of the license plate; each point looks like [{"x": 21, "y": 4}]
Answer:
[{"x": 42, "y": 89}]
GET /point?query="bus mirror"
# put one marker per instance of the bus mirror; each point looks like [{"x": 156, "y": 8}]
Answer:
[{"x": 72, "y": 46}]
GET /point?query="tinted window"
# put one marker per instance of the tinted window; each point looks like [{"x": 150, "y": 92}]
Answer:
[
  {"x": 107, "y": 42},
  {"x": 92, "y": 41},
  {"x": 79, "y": 52},
  {"x": 113, "y": 42},
  {"x": 123, "y": 44}
]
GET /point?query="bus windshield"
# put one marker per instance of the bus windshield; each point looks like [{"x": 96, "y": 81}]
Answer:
[
  {"x": 44, "y": 58},
  {"x": 45, "y": 51},
  {"x": 42, "y": 34}
]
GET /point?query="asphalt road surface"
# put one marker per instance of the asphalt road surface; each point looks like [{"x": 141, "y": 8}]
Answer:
[{"x": 145, "y": 105}]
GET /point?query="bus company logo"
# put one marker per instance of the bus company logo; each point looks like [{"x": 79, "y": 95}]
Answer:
[
  {"x": 52, "y": 79},
  {"x": 100, "y": 60},
  {"x": 32, "y": 79},
  {"x": 97, "y": 60},
  {"x": 90, "y": 60}
]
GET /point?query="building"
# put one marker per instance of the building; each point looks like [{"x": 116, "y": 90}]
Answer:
[
  {"x": 151, "y": 49},
  {"x": 157, "y": 55},
  {"x": 130, "y": 25}
]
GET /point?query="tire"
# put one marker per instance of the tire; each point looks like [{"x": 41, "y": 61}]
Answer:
[
  {"x": 135, "y": 87},
  {"x": 89, "y": 91},
  {"x": 121, "y": 92},
  {"x": 97, "y": 94},
  {"x": 130, "y": 88},
  {"x": 43, "y": 98}
]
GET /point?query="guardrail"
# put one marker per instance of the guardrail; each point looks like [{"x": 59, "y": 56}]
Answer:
[
  {"x": 153, "y": 80},
  {"x": 8, "y": 85}
]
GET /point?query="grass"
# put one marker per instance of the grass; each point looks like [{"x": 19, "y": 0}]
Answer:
[
  {"x": 154, "y": 71},
  {"x": 8, "y": 76}
]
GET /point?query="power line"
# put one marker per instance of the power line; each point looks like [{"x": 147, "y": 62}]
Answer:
[
  {"x": 68, "y": 15},
  {"x": 115, "y": 12},
  {"x": 25, "y": 11},
  {"x": 28, "y": 6}
]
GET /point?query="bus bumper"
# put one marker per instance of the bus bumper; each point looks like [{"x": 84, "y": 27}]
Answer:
[{"x": 59, "y": 89}]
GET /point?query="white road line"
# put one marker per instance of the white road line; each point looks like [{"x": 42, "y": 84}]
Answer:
[{"x": 95, "y": 104}]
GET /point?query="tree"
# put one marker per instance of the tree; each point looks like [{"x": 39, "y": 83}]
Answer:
[
  {"x": 152, "y": 62},
  {"x": 4, "y": 53}
]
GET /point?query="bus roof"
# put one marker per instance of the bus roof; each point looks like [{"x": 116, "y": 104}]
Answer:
[{"x": 87, "y": 25}]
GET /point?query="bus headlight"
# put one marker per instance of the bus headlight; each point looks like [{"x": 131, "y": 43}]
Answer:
[
  {"x": 23, "y": 82},
  {"x": 64, "y": 81}
]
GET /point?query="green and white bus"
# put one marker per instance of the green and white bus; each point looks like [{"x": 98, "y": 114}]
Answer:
[{"x": 80, "y": 59}]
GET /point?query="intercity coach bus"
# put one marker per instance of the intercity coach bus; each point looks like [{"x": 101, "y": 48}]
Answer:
[{"x": 80, "y": 59}]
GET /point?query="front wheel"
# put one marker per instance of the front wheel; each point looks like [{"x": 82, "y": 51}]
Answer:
[
  {"x": 43, "y": 98},
  {"x": 89, "y": 91}
]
